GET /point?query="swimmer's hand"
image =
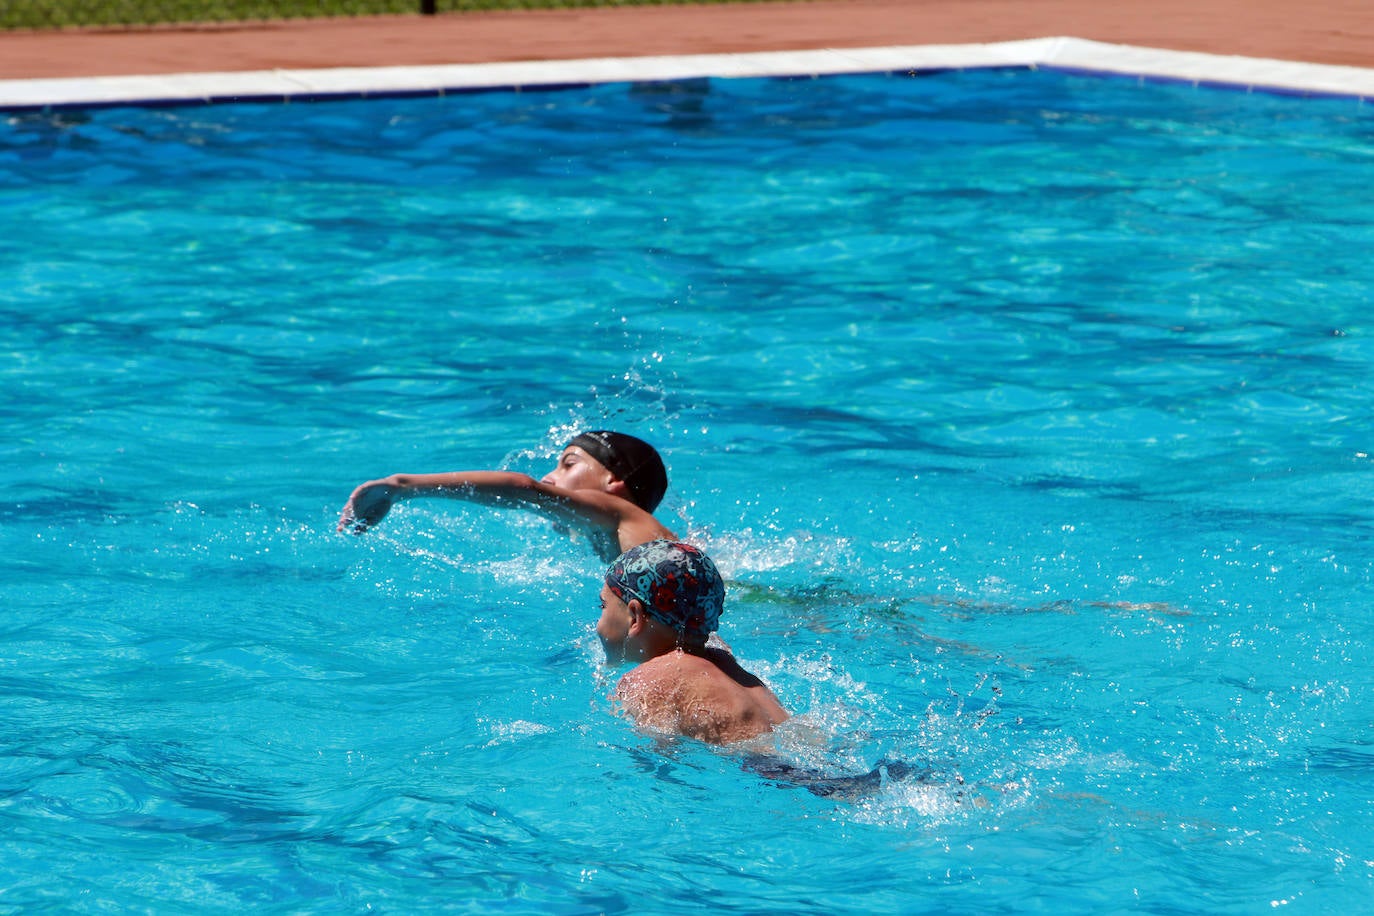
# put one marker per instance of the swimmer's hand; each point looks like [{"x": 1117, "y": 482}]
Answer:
[{"x": 368, "y": 505}]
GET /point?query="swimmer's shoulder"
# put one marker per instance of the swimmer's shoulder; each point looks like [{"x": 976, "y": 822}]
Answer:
[
  {"x": 754, "y": 700},
  {"x": 690, "y": 694},
  {"x": 676, "y": 682},
  {"x": 670, "y": 671}
]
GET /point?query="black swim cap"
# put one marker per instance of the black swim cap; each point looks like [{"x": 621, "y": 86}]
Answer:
[{"x": 632, "y": 460}]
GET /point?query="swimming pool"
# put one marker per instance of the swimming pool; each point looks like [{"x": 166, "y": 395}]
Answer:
[{"x": 1028, "y": 415}]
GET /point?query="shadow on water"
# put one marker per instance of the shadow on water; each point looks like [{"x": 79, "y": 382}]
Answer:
[
  {"x": 681, "y": 102},
  {"x": 668, "y": 760},
  {"x": 829, "y": 606},
  {"x": 843, "y": 787}
]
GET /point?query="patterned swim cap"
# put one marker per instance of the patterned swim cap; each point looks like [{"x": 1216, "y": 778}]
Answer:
[{"x": 678, "y": 584}]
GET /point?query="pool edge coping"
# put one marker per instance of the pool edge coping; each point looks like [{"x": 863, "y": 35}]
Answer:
[{"x": 1067, "y": 54}]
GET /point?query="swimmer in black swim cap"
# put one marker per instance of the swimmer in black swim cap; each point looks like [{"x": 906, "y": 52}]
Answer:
[
  {"x": 631, "y": 461},
  {"x": 605, "y": 484}
]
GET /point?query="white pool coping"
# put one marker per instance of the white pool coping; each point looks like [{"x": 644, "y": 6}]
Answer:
[{"x": 1247, "y": 73}]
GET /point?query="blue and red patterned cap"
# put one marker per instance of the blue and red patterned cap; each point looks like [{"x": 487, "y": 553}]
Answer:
[{"x": 678, "y": 585}]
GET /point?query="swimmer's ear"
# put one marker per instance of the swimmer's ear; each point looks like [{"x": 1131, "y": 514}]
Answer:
[
  {"x": 639, "y": 618},
  {"x": 618, "y": 487}
]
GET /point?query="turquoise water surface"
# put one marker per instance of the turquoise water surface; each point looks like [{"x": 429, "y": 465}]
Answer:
[{"x": 1028, "y": 415}]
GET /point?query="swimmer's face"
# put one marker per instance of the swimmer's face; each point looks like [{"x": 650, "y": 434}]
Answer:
[
  {"x": 576, "y": 470},
  {"x": 614, "y": 625}
]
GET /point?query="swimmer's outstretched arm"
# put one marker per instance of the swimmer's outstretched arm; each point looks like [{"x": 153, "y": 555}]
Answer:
[
  {"x": 371, "y": 501},
  {"x": 601, "y": 513}
]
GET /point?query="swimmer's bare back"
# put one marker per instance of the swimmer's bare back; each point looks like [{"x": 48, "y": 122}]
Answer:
[{"x": 705, "y": 695}]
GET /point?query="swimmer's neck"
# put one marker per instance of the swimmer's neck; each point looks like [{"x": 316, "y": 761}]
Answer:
[{"x": 699, "y": 649}]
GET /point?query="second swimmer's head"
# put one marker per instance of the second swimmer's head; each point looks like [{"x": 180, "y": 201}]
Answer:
[{"x": 634, "y": 461}]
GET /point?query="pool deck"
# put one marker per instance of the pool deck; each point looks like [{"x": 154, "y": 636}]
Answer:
[{"x": 1259, "y": 36}]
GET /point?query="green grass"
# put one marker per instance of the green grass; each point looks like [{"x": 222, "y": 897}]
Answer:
[{"x": 56, "y": 14}]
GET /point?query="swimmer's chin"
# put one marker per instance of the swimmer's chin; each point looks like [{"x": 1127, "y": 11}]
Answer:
[{"x": 611, "y": 656}]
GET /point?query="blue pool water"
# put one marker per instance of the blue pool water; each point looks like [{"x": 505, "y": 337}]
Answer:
[{"x": 1028, "y": 415}]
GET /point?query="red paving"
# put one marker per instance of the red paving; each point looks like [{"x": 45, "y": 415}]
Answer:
[{"x": 1316, "y": 31}]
